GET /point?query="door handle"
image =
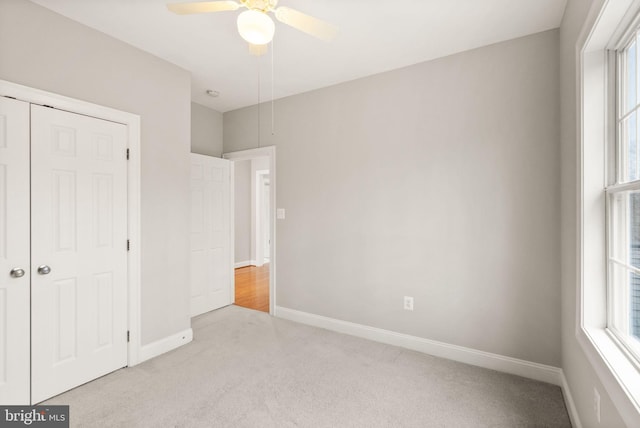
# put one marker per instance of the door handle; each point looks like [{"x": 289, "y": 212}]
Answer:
[
  {"x": 44, "y": 269},
  {"x": 17, "y": 273}
]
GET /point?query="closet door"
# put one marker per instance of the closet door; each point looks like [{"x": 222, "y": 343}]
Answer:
[
  {"x": 14, "y": 252},
  {"x": 79, "y": 249}
]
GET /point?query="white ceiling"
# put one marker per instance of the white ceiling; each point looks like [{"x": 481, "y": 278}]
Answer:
[{"x": 375, "y": 36}]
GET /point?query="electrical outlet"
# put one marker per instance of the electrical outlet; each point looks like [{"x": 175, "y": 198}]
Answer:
[
  {"x": 408, "y": 303},
  {"x": 596, "y": 403}
]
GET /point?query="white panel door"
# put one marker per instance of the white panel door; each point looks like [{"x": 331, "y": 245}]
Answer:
[
  {"x": 211, "y": 263},
  {"x": 79, "y": 232},
  {"x": 14, "y": 252}
]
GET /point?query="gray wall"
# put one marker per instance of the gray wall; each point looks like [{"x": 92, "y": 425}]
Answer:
[
  {"x": 206, "y": 131},
  {"x": 47, "y": 51},
  {"x": 242, "y": 196},
  {"x": 580, "y": 375},
  {"x": 438, "y": 181}
]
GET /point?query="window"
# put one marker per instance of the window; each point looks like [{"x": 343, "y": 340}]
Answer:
[
  {"x": 608, "y": 221},
  {"x": 623, "y": 199}
]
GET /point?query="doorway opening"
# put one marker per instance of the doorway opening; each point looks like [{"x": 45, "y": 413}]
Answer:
[{"x": 254, "y": 227}]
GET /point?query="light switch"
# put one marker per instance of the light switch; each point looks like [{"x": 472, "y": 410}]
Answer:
[{"x": 280, "y": 213}]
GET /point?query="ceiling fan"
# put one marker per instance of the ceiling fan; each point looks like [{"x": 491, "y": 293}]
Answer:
[{"x": 255, "y": 25}]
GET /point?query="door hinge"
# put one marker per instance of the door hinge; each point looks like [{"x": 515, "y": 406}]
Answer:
[
  {"x": 128, "y": 245},
  {"x": 127, "y": 154},
  {"x": 128, "y": 336}
]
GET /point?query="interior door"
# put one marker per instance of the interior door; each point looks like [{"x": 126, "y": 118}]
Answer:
[
  {"x": 14, "y": 252},
  {"x": 79, "y": 249},
  {"x": 264, "y": 216},
  {"x": 211, "y": 262}
]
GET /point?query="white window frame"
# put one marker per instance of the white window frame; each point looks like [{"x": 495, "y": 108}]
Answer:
[
  {"x": 617, "y": 162},
  {"x": 619, "y": 376}
]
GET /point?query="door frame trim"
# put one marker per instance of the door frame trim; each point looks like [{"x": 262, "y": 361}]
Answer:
[
  {"x": 132, "y": 122},
  {"x": 269, "y": 152}
]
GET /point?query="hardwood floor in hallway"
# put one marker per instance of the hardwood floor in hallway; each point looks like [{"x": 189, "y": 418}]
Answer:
[{"x": 252, "y": 287}]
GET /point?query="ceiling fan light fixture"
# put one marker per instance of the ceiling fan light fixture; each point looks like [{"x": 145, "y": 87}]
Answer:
[{"x": 256, "y": 27}]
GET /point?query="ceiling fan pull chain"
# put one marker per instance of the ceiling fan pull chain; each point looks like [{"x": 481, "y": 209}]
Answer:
[
  {"x": 259, "y": 98},
  {"x": 273, "y": 77}
]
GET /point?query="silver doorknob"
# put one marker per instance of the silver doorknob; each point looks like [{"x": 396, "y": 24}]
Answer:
[
  {"x": 17, "y": 273},
  {"x": 44, "y": 269}
]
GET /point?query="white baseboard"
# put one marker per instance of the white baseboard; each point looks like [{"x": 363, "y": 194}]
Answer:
[
  {"x": 244, "y": 264},
  {"x": 571, "y": 405},
  {"x": 167, "y": 344},
  {"x": 528, "y": 369}
]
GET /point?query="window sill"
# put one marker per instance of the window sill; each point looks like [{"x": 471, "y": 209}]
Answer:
[{"x": 620, "y": 377}]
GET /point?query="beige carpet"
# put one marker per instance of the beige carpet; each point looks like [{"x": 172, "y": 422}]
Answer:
[{"x": 247, "y": 369}]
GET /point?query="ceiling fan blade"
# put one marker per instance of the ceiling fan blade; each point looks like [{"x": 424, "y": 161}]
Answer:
[
  {"x": 203, "y": 7},
  {"x": 257, "y": 50},
  {"x": 307, "y": 24}
]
